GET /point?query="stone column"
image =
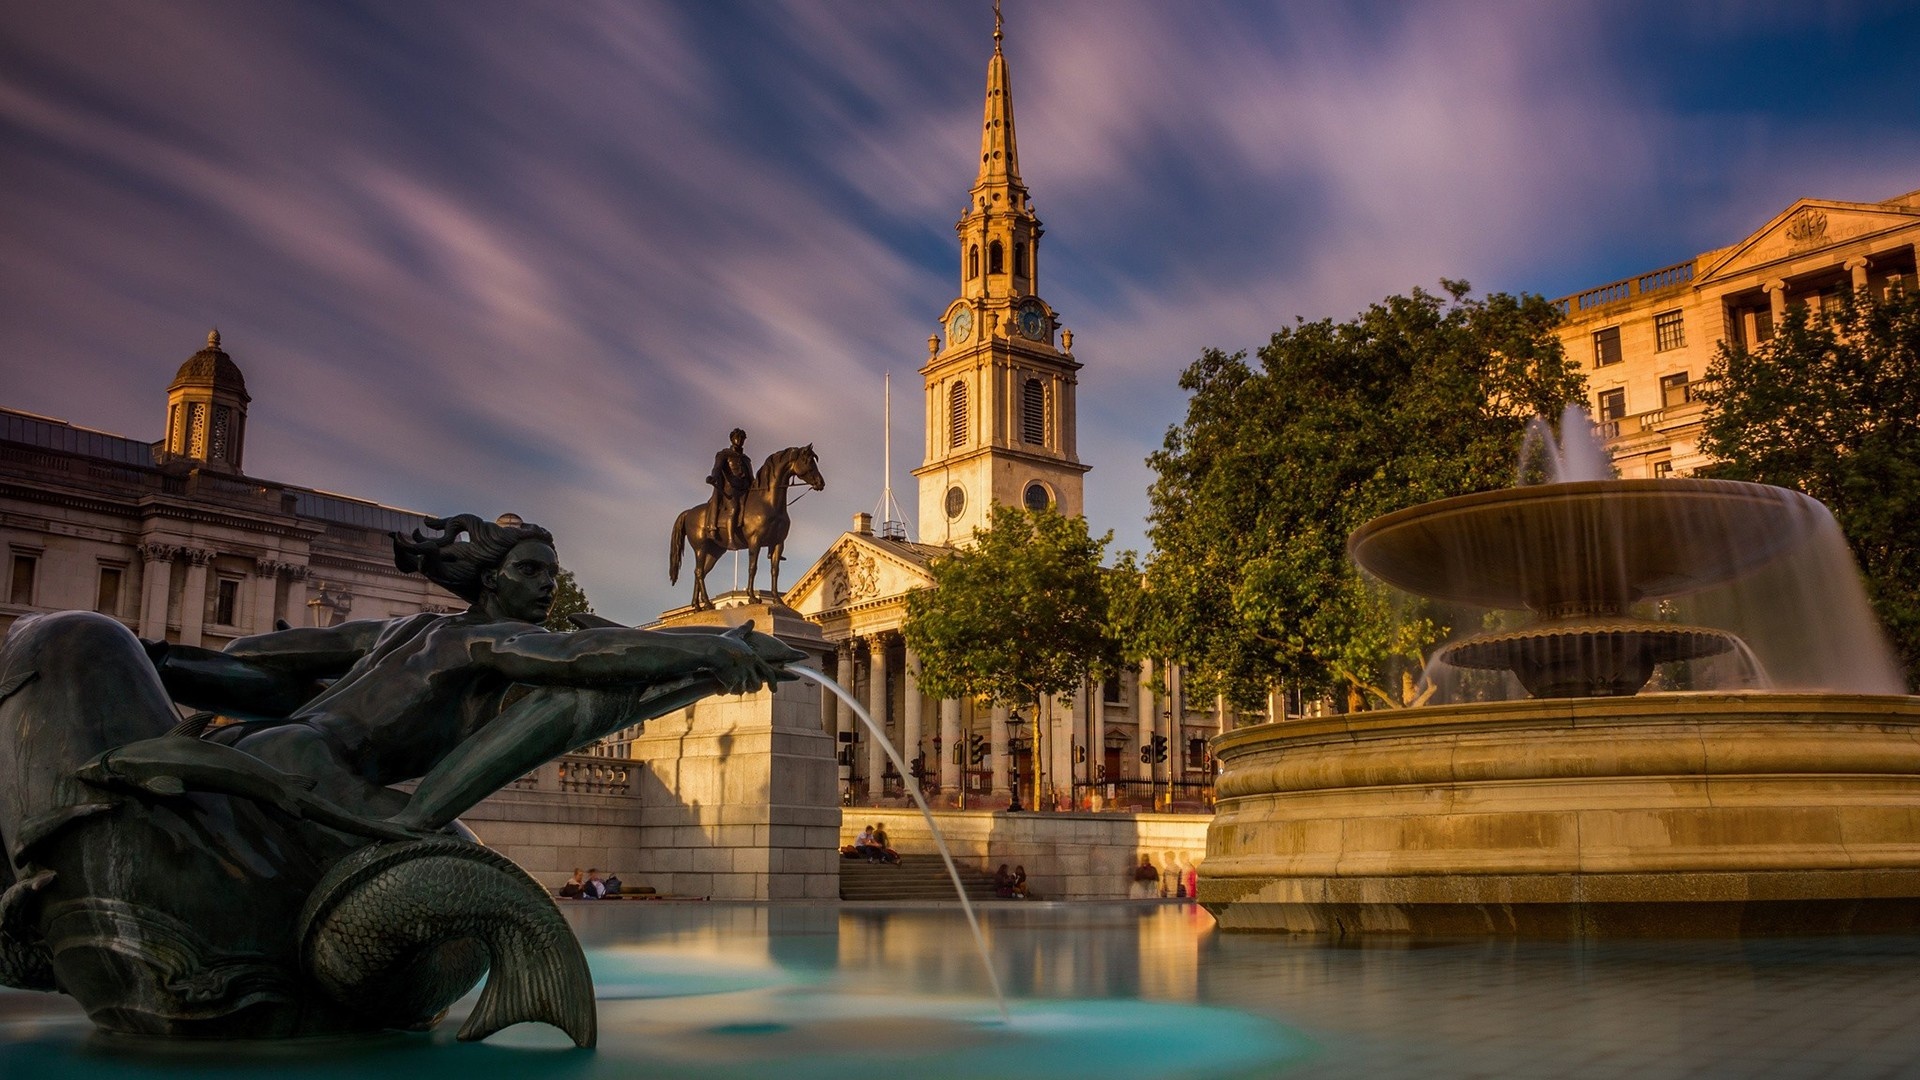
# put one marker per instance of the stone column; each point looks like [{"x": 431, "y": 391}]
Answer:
[
  {"x": 1096, "y": 732},
  {"x": 1063, "y": 738},
  {"x": 951, "y": 745},
  {"x": 911, "y": 735},
  {"x": 1856, "y": 268},
  {"x": 158, "y": 576},
  {"x": 877, "y": 705},
  {"x": 843, "y": 718},
  {"x": 1148, "y": 714},
  {"x": 1776, "y": 291},
  {"x": 193, "y": 599},
  {"x": 997, "y": 753},
  {"x": 266, "y": 579}
]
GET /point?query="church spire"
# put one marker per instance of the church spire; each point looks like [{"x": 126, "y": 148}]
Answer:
[{"x": 999, "y": 158}]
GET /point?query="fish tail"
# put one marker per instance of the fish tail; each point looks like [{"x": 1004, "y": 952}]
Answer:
[{"x": 551, "y": 985}]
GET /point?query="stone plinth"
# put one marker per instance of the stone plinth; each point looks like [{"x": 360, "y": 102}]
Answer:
[
  {"x": 737, "y": 793},
  {"x": 1663, "y": 814}
]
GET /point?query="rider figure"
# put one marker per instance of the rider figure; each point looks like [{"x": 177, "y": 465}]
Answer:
[{"x": 732, "y": 478}]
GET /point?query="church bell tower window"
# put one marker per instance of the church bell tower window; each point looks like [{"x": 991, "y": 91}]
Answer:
[
  {"x": 973, "y": 262},
  {"x": 957, "y": 415},
  {"x": 995, "y": 258},
  {"x": 1033, "y": 413}
]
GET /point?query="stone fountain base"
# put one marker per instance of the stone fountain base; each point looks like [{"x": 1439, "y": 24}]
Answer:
[{"x": 1656, "y": 815}]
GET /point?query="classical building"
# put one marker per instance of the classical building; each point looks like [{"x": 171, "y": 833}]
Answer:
[
  {"x": 1000, "y": 382},
  {"x": 1644, "y": 341},
  {"x": 174, "y": 539}
]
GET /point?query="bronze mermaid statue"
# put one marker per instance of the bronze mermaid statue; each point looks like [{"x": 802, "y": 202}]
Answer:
[{"x": 264, "y": 877}]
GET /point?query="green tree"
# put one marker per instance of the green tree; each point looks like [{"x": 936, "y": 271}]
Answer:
[
  {"x": 1419, "y": 397},
  {"x": 1022, "y": 615},
  {"x": 1830, "y": 406},
  {"x": 568, "y": 599}
]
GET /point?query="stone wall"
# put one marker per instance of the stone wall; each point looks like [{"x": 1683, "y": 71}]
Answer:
[
  {"x": 1075, "y": 856},
  {"x": 574, "y": 812}
]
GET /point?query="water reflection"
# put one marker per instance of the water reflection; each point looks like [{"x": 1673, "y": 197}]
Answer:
[{"x": 1107, "y": 991}]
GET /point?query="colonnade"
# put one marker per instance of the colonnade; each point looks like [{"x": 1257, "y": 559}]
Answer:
[
  {"x": 1088, "y": 751},
  {"x": 260, "y": 599}
]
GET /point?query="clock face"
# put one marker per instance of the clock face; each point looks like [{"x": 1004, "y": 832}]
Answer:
[
  {"x": 956, "y": 501},
  {"x": 960, "y": 328},
  {"x": 1033, "y": 322}
]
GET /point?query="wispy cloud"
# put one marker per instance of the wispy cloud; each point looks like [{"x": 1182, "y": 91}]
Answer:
[{"x": 489, "y": 256}]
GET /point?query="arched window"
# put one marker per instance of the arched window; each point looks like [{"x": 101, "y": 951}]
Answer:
[
  {"x": 1020, "y": 260},
  {"x": 995, "y": 265},
  {"x": 957, "y": 414},
  {"x": 973, "y": 262},
  {"x": 1033, "y": 413}
]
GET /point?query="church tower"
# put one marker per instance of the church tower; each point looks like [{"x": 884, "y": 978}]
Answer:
[{"x": 1001, "y": 379}]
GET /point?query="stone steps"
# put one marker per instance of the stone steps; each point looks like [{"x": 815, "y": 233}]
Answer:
[{"x": 915, "y": 877}]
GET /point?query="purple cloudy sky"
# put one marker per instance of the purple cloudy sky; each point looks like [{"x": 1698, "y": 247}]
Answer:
[{"x": 540, "y": 257}]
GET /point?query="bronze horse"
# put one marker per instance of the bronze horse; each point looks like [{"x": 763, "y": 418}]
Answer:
[{"x": 763, "y": 520}]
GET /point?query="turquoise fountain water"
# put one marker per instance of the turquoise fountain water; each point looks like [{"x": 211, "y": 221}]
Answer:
[{"x": 939, "y": 841}]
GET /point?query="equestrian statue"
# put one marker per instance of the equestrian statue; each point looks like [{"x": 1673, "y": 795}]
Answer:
[{"x": 742, "y": 515}]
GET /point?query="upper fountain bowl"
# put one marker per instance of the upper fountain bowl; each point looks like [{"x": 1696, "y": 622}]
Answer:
[{"x": 1582, "y": 548}]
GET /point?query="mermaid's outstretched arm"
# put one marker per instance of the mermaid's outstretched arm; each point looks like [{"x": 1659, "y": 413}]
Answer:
[{"x": 554, "y": 718}]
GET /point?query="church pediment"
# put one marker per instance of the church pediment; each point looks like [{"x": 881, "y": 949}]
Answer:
[
  {"x": 1807, "y": 225},
  {"x": 858, "y": 569}
]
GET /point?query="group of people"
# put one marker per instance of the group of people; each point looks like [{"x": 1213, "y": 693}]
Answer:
[
  {"x": 872, "y": 845},
  {"x": 1183, "y": 881},
  {"x": 1010, "y": 886},
  {"x": 590, "y": 886}
]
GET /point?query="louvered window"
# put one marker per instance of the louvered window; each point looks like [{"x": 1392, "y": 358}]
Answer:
[
  {"x": 957, "y": 415},
  {"x": 1033, "y": 413}
]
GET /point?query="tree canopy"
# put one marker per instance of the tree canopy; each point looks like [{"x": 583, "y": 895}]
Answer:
[
  {"x": 568, "y": 599},
  {"x": 1830, "y": 406},
  {"x": 1022, "y": 614},
  {"x": 1417, "y": 398}
]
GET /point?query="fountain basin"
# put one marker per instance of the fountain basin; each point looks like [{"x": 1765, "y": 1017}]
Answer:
[
  {"x": 1655, "y": 815},
  {"x": 1584, "y": 657},
  {"x": 1587, "y": 547}
]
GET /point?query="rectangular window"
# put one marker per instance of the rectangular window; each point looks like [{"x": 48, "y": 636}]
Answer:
[
  {"x": 1669, "y": 331},
  {"x": 1763, "y": 325},
  {"x": 107, "y": 601},
  {"x": 20, "y": 590},
  {"x": 1110, "y": 691},
  {"x": 1606, "y": 347},
  {"x": 1662, "y": 470},
  {"x": 1613, "y": 404},
  {"x": 1674, "y": 391},
  {"x": 226, "y": 602}
]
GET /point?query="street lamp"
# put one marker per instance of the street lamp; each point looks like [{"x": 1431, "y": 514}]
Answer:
[{"x": 1015, "y": 744}]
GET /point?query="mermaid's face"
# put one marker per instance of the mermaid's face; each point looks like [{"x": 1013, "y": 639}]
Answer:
[{"x": 522, "y": 589}]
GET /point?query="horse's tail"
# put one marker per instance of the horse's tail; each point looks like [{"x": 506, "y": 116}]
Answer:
[{"x": 674, "y": 545}]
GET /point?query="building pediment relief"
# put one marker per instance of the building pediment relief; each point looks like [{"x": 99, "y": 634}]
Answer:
[
  {"x": 855, "y": 570},
  {"x": 1806, "y": 226}
]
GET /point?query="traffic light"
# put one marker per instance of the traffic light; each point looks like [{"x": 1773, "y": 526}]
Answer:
[
  {"x": 980, "y": 748},
  {"x": 1146, "y": 755},
  {"x": 1159, "y": 749}
]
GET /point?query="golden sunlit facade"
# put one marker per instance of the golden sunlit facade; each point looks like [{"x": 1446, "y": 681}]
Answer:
[{"x": 1644, "y": 341}]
